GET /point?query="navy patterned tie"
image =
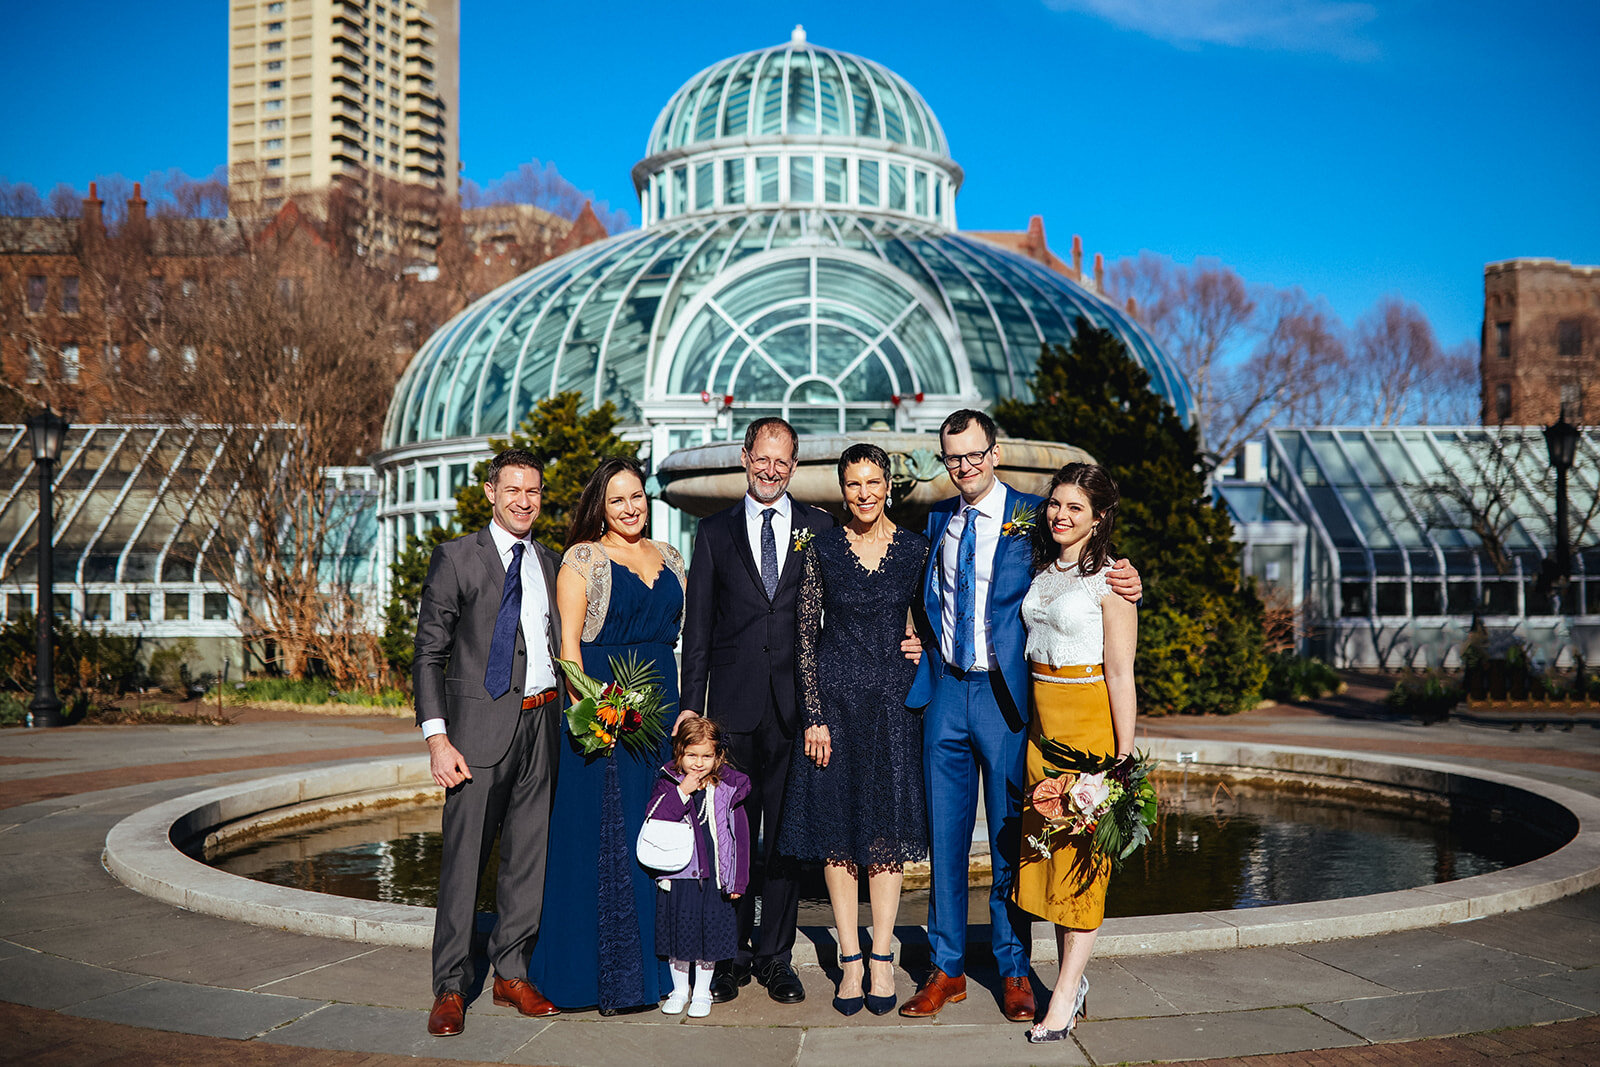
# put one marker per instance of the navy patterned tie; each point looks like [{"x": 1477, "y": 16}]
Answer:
[
  {"x": 503, "y": 646},
  {"x": 963, "y": 643},
  {"x": 769, "y": 553}
]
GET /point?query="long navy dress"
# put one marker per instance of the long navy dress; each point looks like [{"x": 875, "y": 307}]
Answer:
[
  {"x": 866, "y": 806},
  {"x": 596, "y": 944}
]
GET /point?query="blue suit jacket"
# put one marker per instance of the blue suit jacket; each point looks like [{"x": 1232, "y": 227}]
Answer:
[{"x": 1012, "y": 574}]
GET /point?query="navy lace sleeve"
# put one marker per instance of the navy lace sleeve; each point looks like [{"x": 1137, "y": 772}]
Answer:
[{"x": 808, "y": 627}]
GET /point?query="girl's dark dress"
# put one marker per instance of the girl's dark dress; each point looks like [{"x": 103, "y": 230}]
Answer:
[
  {"x": 866, "y": 806},
  {"x": 596, "y": 942},
  {"x": 694, "y": 921}
]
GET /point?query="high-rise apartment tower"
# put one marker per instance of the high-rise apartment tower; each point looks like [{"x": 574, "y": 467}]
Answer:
[{"x": 324, "y": 92}]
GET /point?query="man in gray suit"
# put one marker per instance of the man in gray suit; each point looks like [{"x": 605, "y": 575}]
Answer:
[{"x": 486, "y": 694}]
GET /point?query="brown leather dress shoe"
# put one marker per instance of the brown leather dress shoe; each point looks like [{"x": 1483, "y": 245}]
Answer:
[
  {"x": 449, "y": 1015},
  {"x": 940, "y": 989},
  {"x": 516, "y": 993},
  {"x": 1016, "y": 999}
]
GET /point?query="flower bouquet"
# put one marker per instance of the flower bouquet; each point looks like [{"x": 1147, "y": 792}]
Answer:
[
  {"x": 628, "y": 709},
  {"x": 1113, "y": 801}
]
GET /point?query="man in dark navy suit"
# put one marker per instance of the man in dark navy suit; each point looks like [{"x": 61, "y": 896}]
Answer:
[{"x": 738, "y": 668}]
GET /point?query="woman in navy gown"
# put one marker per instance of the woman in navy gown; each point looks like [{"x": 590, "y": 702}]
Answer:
[{"x": 619, "y": 593}]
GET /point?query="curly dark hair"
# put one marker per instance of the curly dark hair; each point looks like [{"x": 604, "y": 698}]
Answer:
[
  {"x": 589, "y": 515},
  {"x": 1103, "y": 496}
]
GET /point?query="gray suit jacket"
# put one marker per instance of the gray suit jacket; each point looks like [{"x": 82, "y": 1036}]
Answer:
[{"x": 455, "y": 625}]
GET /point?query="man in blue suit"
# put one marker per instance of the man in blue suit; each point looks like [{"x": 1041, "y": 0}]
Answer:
[{"x": 973, "y": 684}]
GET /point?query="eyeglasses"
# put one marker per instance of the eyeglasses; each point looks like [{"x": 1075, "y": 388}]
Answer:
[
  {"x": 971, "y": 459},
  {"x": 778, "y": 466}
]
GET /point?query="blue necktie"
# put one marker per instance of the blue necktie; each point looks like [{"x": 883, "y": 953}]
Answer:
[
  {"x": 962, "y": 642},
  {"x": 769, "y": 553},
  {"x": 503, "y": 647}
]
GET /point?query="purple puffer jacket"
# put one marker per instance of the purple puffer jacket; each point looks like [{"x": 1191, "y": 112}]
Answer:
[{"x": 730, "y": 837}]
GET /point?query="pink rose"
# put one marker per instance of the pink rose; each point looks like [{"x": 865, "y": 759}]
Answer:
[
  {"x": 1089, "y": 792},
  {"x": 1047, "y": 797}
]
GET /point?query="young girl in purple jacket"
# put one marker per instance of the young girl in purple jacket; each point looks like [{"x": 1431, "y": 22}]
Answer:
[{"x": 695, "y": 916}]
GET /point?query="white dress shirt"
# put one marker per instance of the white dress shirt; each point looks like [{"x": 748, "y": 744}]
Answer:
[
  {"x": 782, "y": 526},
  {"x": 535, "y": 620},
  {"x": 986, "y": 513}
]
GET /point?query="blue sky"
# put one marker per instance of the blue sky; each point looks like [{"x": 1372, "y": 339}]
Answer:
[{"x": 1355, "y": 149}]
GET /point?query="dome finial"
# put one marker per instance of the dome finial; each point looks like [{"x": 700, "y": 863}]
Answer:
[{"x": 799, "y": 35}]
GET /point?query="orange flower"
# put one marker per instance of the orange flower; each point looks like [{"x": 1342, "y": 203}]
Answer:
[
  {"x": 609, "y": 714},
  {"x": 1047, "y": 797}
]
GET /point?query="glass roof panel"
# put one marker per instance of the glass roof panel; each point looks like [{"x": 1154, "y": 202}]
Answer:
[
  {"x": 1367, "y": 520},
  {"x": 769, "y": 96},
  {"x": 870, "y": 381},
  {"x": 802, "y": 103},
  {"x": 1332, "y": 460},
  {"x": 736, "y": 99}
]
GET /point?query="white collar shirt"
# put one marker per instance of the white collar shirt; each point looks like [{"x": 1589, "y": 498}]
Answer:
[
  {"x": 535, "y": 610},
  {"x": 782, "y": 526},
  {"x": 986, "y": 512}
]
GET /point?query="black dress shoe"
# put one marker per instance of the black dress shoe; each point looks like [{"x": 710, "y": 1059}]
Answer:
[
  {"x": 783, "y": 985},
  {"x": 725, "y": 983}
]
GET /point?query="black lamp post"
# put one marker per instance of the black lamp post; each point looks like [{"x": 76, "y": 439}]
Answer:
[
  {"x": 1562, "y": 441},
  {"x": 46, "y": 431}
]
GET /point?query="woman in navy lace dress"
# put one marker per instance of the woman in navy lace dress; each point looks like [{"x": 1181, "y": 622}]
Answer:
[
  {"x": 620, "y": 594},
  {"x": 855, "y": 798}
]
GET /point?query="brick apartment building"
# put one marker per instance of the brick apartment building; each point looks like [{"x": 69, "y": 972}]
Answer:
[
  {"x": 82, "y": 304},
  {"x": 77, "y": 303},
  {"x": 1541, "y": 342}
]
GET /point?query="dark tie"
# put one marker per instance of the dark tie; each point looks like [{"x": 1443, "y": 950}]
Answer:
[
  {"x": 962, "y": 642},
  {"x": 769, "y": 553},
  {"x": 503, "y": 647}
]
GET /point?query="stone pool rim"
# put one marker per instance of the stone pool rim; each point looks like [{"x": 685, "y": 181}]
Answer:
[{"x": 139, "y": 851}]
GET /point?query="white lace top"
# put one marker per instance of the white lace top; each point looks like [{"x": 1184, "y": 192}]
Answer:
[{"x": 1062, "y": 614}]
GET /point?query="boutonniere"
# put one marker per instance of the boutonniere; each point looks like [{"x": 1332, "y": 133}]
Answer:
[
  {"x": 803, "y": 537},
  {"x": 1021, "y": 522}
]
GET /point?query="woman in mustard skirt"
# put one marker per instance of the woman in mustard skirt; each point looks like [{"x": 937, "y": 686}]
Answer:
[{"x": 1081, "y": 639}]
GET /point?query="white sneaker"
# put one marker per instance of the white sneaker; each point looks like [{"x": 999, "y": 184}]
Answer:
[
  {"x": 699, "y": 1007},
  {"x": 674, "y": 1003}
]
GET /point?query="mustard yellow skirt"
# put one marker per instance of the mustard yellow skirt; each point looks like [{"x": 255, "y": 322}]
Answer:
[{"x": 1068, "y": 888}]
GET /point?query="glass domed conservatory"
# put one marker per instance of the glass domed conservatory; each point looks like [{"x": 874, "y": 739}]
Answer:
[{"x": 799, "y": 257}]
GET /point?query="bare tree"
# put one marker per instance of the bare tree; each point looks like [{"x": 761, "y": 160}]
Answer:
[
  {"x": 65, "y": 202},
  {"x": 20, "y": 200},
  {"x": 174, "y": 194},
  {"x": 286, "y": 349},
  {"x": 1402, "y": 373},
  {"x": 1294, "y": 373},
  {"x": 1254, "y": 356},
  {"x": 542, "y": 186}
]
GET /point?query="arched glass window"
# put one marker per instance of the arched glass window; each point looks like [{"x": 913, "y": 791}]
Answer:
[{"x": 824, "y": 340}]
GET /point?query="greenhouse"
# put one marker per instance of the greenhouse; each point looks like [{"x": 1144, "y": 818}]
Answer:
[
  {"x": 799, "y": 257},
  {"x": 135, "y": 546},
  {"x": 1413, "y": 535}
]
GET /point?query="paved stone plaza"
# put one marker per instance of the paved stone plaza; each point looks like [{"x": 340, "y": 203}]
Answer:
[{"x": 93, "y": 972}]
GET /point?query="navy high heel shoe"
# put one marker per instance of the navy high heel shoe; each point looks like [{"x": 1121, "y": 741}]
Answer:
[
  {"x": 882, "y": 1005},
  {"x": 848, "y": 1005}
]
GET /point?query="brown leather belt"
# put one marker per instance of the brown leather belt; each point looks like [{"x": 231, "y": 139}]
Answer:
[{"x": 538, "y": 700}]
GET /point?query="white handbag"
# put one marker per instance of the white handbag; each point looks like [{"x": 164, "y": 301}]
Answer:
[{"x": 665, "y": 845}]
